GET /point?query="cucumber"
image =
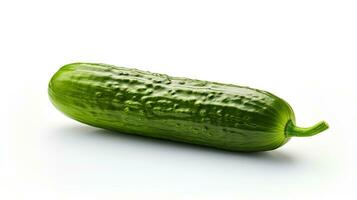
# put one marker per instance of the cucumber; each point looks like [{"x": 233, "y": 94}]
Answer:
[{"x": 223, "y": 116}]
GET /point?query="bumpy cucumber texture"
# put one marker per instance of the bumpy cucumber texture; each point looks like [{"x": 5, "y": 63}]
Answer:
[{"x": 206, "y": 113}]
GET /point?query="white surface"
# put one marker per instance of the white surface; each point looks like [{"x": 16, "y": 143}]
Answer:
[{"x": 303, "y": 51}]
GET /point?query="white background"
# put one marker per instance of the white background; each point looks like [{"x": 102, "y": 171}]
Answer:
[{"x": 302, "y": 51}]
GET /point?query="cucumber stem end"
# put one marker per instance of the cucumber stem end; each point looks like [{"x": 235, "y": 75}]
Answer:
[{"x": 291, "y": 130}]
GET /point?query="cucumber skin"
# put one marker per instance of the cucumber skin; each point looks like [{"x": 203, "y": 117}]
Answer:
[{"x": 132, "y": 101}]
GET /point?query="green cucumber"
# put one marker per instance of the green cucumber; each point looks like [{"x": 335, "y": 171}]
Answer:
[{"x": 199, "y": 112}]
